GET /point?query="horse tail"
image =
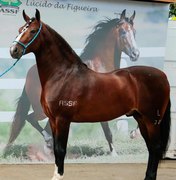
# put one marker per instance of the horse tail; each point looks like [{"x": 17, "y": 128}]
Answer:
[
  {"x": 18, "y": 123},
  {"x": 165, "y": 129}
]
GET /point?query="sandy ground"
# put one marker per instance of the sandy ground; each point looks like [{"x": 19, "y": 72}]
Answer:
[{"x": 167, "y": 171}]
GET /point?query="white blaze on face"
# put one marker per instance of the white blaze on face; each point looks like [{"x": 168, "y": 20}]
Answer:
[
  {"x": 21, "y": 34},
  {"x": 131, "y": 36}
]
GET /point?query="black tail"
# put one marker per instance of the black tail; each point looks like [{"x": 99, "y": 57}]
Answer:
[
  {"x": 165, "y": 129},
  {"x": 18, "y": 123}
]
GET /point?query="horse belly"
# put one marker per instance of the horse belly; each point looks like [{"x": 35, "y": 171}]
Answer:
[
  {"x": 97, "y": 116},
  {"x": 103, "y": 108}
]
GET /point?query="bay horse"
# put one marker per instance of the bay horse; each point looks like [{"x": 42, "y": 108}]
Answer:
[
  {"x": 72, "y": 92},
  {"x": 102, "y": 53}
]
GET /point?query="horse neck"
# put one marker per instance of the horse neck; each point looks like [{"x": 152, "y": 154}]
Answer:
[
  {"x": 117, "y": 56},
  {"x": 55, "y": 57},
  {"x": 106, "y": 61},
  {"x": 109, "y": 51},
  {"x": 106, "y": 56}
]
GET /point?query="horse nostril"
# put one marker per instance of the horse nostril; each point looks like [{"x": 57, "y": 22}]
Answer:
[
  {"x": 15, "y": 50},
  {"x": 135, "y": 53}
]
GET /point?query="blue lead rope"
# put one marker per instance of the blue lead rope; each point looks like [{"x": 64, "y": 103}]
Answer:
[
  {"x": 24, "y": 50},
  {"x": 9, "y": 68}
]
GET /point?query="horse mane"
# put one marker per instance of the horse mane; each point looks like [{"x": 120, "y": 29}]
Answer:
[
  {"x": 92, "y": 41},
  {"x": 66, "y": 49},
  {"x": 95, "y": 38}
]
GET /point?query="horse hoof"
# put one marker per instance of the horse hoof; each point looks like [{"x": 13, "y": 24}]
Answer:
[
  {"x": 114, "y": 153},
  {"x": 135, "y": 134},
  {"x": 132, "y": 134},
  {"x": 57, "y": 177}
]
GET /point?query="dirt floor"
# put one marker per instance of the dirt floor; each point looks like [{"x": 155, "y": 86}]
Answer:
[{"x": 167, "y": 171}]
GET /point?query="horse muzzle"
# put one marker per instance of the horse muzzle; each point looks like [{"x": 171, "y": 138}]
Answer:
[
  {"x": 134, "y": 55},
  {"x": 16, "y": 51}
]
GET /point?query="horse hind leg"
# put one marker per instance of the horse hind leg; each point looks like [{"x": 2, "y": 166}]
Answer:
[
  {"x": 48, "y": 128},
  {"x": 47, "y": 137},
  {"x": 158, "y": 139},
  {"x": 152, "y": 136},
  {"x": 108, "y": 135},
  {"x": 155, "y": 151}
]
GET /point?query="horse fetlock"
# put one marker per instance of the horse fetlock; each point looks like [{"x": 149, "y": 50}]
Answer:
[
  {"x": 113, "y": 152},
  {"x": 151, "y": 176},
  {"x": 48, "y": 139},
  {"x": 49, "y": 144},
  {"x": 46, "y": 136},
  {"x": 57, "y": 176}
]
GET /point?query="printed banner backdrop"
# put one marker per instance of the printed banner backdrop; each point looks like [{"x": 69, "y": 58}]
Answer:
[{"x": 76, "y": 20}]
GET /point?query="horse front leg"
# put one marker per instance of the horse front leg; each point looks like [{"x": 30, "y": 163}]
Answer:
[{"x": 60, "y": 128}]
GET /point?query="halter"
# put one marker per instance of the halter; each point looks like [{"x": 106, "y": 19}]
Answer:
[
  {"x": 30, "y": 42},
  {"x": 24, "y": 50}
]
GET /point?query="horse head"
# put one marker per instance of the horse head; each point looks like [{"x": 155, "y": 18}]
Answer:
[
  {"x": 28, "y": 33},
  {"x": 126, "y": 36}
]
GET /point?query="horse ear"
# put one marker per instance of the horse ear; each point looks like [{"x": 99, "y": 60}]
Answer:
[
  {"x": 26, "y": 17},
  {"x": 133, "y": 16},
  {"x": 122, "y": 16},
  {"x": 37, "y": 15}
]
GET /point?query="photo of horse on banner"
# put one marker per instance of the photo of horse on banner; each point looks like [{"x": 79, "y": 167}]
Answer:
[
  {"x": 111, "y": 37},
  {"x": 139, "y": 91}
]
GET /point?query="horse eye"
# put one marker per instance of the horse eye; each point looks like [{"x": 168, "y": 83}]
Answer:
[
  {"x": 122, "y": 32},
  {"x": 33, "y": 31}
]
